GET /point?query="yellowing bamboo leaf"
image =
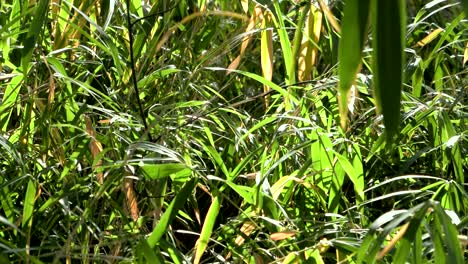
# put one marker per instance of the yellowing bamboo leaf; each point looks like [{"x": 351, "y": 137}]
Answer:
[
  {"x": 246, "y": 229},
  {"x": 430, "y": 37},
  {"x": 317, "y": 29},
  {"x": 131, "y": 200},
  {"x": 304, "y": 62},
  {"x": 393, "y": 242},
  {"x": 245, "y": 40},
  {"x": 282, "y": 235},
  {"x": 329, "y": 16},
  {"x": 291, "y": 258},
  {"x": 266, "y": 47},
  {"x": 96, "y": 148},
  {"x": 308, "y": 50},
  {"x": 245, "y": 5}
]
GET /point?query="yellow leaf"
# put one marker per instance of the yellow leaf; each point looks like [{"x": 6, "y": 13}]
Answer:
[
  {"x": 245, "y": 40},
  {"x": 246, "y": 229},
  {"x": 282, "y": 235},
  {"x": 266, "y": 47},
  {"x": 308, "y": 49},
  {"x": 131, "y": 200},
  {"x": 96, "y": 148},
  {"x": 245, "y": 5},
  {"x": 426, "y": 40},
  {"x": 329, "y": 16}
]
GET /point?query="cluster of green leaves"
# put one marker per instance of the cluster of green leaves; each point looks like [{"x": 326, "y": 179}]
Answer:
[{"x": 210, "y": 131}]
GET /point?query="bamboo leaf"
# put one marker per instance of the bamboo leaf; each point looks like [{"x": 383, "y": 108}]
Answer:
[
  {"x": 282, "y": 235},
  {"x": 356, "y": 13},
  {"x": 28, "y": 206},
  {"x": 9, "y": 98},
  {"x": 452, "y": 244},
  {"x": 266, "y": 47},
  {"x": 207, "y": 229},
  {"x": 159, "y": 171},
  {"x": 430, "y": 37},
  {"x": 285, "y": 43},
  {"x": 308, "y": 50},
  {"x": 35, "y": 29},
  {"x": 245, "y": 39},
  {"x": 171, "y": 212},
  {"x": 388, "y": 45}
]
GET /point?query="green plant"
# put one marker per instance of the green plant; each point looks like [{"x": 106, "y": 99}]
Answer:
[{"x": 211, "y": 131}]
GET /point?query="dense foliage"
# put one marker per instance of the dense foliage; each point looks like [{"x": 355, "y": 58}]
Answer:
[{"x": 210, "y": 131}]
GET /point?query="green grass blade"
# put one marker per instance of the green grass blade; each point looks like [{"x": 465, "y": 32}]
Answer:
[
  {"x": 159, "y": 171},
  {"x": 452, "y": 244},
  {"x": 285, "y": 43},
  {"x": 35, "y": 29},
  {"x": 28, "y": 207},
  {"x": 296, "y": 45},
  {"x": 207, "y": 229},
  {"x": 144, "y": 251},
  {"x": 354, "y": 29},
  {"x": 388, "y": 46},
  {"x": 272, "y": 85},
  {"x": 171, "y": 212},
  {"x": 10, "y": 96}
]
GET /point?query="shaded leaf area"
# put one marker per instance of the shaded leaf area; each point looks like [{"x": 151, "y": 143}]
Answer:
[{"x": 263, "y": 141}]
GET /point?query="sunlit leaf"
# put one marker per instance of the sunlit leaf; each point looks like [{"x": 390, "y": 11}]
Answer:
[
  {"x": 356, "y": 13},
  {"x": 207, "y": 229},
  {"x": 164, "y": 170}
]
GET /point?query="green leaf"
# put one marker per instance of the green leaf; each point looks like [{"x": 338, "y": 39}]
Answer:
[
  {"x": 354, "y": 29},
  {"x": 9, "y": 98},
  {"x": 160, "y": 73},
  {"x": 245, "y": 192},
  {"x": 171, "y": 212},
  {"x": 144, "y": 251},
  {"x": 452, "y": 244},
  {"x": 28, "y": 206},
  {"x": 265, "y": 82},
  {"x": 388, "y": 46},
  {"x": 35, "y": 29},
  {"x": 207, "y": 229},
  {"x": 465, "y": 6},
  {"x": 159, "y": 171},
  {"x": 286, "y": 47}
]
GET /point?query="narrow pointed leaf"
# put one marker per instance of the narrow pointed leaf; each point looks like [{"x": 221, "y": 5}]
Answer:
[
  {"x": 171, "y": 212},
  {"x": 388, "y": 45},
  {"x": 28, "y": 207},
  {"x": 207, "y": 229},
  {"x": 34, "y": 31},
  {"x": 356, "y": 13}
]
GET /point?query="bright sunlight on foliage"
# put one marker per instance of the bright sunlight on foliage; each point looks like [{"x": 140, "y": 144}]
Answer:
[{"x": 233, "y": 131}]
